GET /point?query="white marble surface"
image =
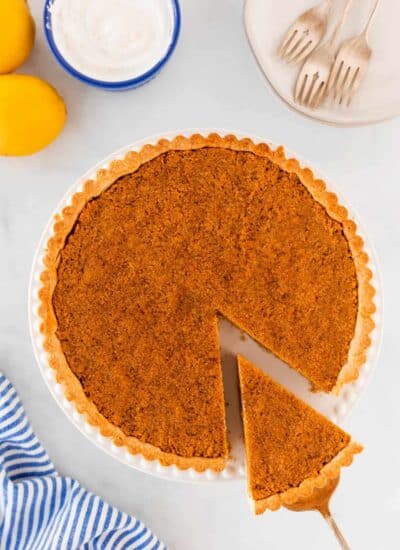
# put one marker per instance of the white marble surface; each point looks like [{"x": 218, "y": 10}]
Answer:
[{"x": 212, "y": 81}]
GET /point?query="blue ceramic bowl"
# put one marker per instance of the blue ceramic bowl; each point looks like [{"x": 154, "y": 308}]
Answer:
[{"x": 119, "y": 85}]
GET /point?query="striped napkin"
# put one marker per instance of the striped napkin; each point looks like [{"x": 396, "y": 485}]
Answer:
[{"x": 40, "y": 510}]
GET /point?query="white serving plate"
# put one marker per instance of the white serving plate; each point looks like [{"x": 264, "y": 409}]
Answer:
[
  {"x": 378, "y": 98},
  {"x": 232, "y": 342}
]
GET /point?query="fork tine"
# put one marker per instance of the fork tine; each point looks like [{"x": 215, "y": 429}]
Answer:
[
  {"x": 344, "y": 85},
  {"x": 293, "y": 51},
  {"x": 335, "y": 75},
  {"x": 301, "y": 84},
  {"x": 309, "y": 94},
  {"x": 289, "y": 37},
  {"x": 318, "y": 96},
  {"x": 353, "y": 86},
  {"x": 341, "y": 83},
  {"x": 336, "y": 85},
  {"x": 304, "y": 52},
  {"x": 348, "y": 82}
]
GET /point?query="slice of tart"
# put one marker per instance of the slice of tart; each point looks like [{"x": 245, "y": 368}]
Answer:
[{"x": 290, "y": 448}]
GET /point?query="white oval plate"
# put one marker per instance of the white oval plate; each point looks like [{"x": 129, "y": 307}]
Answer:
[
  {"x": 232, "y": 342},
  {"x": 378, "y": 98}
]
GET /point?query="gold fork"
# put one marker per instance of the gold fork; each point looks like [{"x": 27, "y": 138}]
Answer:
[
  {"x": 351, "y": 64},
  {"x": 319, "y": 502},
  {"x": 312, "y": 81},
  {"x": 305, "y": 33}
]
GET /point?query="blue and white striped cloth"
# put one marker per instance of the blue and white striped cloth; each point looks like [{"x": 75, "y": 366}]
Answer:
[{"x": 40, "y": 510}]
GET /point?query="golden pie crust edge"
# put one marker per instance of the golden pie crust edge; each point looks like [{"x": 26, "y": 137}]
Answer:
[
  {"x": 63, "y": 224},
  {"x": 305, "y": 489}
]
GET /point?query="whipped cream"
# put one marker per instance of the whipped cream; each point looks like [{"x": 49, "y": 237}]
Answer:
[{"x": 112, "y": 40}]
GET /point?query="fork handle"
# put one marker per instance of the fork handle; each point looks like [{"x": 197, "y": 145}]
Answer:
[
  {"x": 339, "y": 26},
  {"x": 325, "y": 7},
  {"x": 370, "y": 18},
  {"x": 326, "y": 514}
]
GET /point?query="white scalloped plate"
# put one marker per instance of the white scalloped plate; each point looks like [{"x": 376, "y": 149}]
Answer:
[
  {"x": 378, "y": 98},
  {"x": 232, "y": 342}
]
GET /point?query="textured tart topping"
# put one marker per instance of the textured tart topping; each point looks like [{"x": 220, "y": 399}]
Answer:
[{"x": 154, "y": 258}]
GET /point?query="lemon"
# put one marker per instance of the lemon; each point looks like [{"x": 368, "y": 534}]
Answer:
[
  {"x": 32, "y": 114},
  {"x": 17, "y": 34}
]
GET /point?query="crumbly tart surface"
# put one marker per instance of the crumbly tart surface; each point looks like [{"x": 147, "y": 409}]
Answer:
[
  {"x": 290, "y": 448},
  {"x": 156, "y": 246}
]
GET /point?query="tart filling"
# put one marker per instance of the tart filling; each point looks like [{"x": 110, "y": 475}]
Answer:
[{"x": 149, "y": 253}]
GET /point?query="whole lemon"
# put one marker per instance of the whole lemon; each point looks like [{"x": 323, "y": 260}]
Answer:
[
  {"x": 32, "y": 114},
  {"x": 17, "y": 34}
]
